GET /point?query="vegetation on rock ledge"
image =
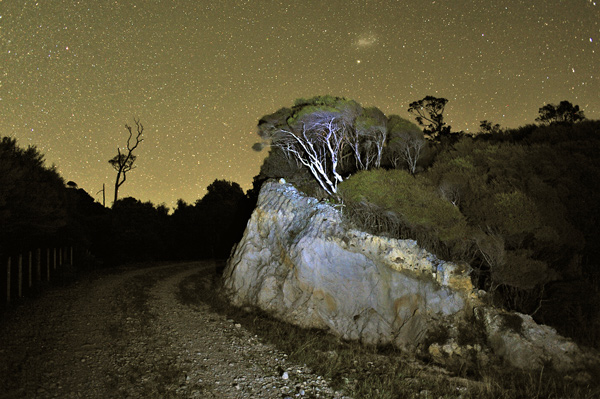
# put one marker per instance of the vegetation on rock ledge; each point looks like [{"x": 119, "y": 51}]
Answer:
[{"x": 521, "y": 206}]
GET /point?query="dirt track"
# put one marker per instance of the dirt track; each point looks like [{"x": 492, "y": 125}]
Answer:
[{"x": 126, "y": 335}]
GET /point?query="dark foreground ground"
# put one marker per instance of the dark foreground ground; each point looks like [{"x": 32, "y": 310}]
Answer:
[{"x": 126, "y": 334}]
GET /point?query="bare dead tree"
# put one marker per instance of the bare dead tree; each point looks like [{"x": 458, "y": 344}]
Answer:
[
  {"x": 123, "y": 161},
  {"x": 103, "y": 191}
]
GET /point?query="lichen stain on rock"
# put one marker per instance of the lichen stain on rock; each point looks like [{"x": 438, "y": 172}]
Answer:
[
  {"x": 407, "y": 304},
  {"x": 460, "y": 283},
  {"x": 286, "y": 261},
  {"x": 406, "y": 308},
  {"x": 329, "y": 301}
]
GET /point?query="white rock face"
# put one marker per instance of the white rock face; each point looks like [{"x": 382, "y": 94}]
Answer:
[{"x": 297, "y": 261}]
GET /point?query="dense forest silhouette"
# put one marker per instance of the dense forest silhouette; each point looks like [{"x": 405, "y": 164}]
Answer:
[
  {"x": 521, "y": 206},
  {"x": 38, "y": 209}
]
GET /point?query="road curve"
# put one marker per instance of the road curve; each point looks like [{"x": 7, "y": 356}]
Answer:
[{"x": 126, "y": 335}]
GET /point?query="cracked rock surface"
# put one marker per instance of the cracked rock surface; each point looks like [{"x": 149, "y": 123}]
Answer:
[{"x": 126, "y": 335}]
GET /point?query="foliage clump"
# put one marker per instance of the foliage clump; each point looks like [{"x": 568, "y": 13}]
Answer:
[
  {"x": 378, "y": 197},
  {"x": 332, "y": 137},
  {"x": 565, "y": 112}
]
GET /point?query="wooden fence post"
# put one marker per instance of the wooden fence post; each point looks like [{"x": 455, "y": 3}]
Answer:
[
  {"x": 38, "y": 264},
  {"x": 47, "y": 264},
  {"x": 29, "y": 268},
  {"x": 20, "y": 277},
  {"x": 8, "y": 280}
]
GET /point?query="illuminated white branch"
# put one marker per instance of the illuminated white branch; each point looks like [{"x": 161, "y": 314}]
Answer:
[
  {"x": 317, "y": 144},
  {"x": 410, "y": 150}
]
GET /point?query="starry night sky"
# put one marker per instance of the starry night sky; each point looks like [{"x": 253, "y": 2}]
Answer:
[{"x": 199, "y": 74}]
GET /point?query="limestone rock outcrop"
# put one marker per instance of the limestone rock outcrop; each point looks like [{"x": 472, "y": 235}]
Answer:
[
  {"x": 300, "y": 262},
  {"x": 297, "y": 261}
]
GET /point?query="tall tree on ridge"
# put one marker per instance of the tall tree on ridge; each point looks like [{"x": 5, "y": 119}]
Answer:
[
  {"x": 429, "y": 113},
  {"x": 565, "y": 112}
]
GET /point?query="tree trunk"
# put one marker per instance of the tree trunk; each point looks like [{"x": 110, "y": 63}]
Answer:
[{"x": 117, "y": 187}]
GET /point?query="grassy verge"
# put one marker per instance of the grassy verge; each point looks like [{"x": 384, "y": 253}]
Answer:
[{"x": 367, "y": 372}]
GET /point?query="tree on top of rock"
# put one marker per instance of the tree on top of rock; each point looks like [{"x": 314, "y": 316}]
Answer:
[
  {"x": 406, "y": 142},
  {"x": 313, "y": 132},
  {"x": 368, "y": 137},
  {"x": 333, "y": 137}
]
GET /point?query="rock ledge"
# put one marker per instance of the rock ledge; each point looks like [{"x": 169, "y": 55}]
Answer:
[{"x": 300, "y": 262}]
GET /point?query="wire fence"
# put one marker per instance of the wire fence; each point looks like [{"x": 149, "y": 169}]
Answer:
[{"x": 21, "y": 273}]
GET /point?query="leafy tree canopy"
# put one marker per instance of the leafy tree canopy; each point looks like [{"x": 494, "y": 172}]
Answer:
[
  {"x": 486, "y": 127},
  {"x": 429, "y": 113},
  {"x": 331, "y": 137},
  {"x": 565, "y": 112}
]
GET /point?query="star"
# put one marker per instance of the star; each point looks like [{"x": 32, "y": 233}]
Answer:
[{"x": 199, "y": 78}]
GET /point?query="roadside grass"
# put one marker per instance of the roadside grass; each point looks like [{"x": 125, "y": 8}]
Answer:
[{"x": 379, "y": 372}]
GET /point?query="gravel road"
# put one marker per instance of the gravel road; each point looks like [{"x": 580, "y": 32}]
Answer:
[{"x": 126, "y": 335}]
